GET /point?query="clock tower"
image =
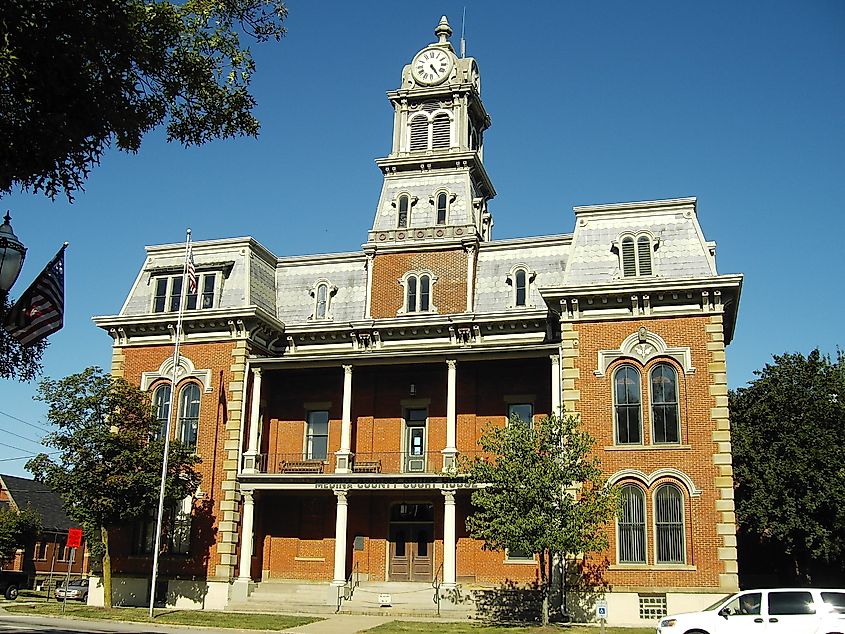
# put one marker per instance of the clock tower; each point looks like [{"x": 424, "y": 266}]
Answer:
[
  {"x": 438, "y": 134},
  {"x": 435, "y": 192}
]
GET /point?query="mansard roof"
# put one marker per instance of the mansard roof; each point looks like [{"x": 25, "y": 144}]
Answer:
[{"x": 280, "y": 290}]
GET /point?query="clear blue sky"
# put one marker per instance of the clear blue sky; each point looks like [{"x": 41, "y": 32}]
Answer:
[{"x": 741, "y": 104}]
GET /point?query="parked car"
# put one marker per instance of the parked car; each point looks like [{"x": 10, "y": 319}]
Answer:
[
  {"x": 76, "y": 589},
  {"x": 10, "y": 582},
  {"x": 769, "y": 611}
]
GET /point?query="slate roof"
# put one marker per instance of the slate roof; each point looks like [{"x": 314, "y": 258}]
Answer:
[{"x": 39, "y": 497}]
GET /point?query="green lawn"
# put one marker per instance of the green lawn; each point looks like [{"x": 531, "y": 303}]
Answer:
[
  {"x": 168, "y": 616},
  {"x": 407, "y": 627}
]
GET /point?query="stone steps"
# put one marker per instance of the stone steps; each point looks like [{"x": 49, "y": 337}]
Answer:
[{"x": 406, "y": 599}]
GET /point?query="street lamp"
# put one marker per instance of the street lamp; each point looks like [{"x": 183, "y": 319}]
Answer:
[{"x": 12, "y": 254}]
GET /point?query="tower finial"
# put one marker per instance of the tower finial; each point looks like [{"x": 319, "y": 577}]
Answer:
[{"x": 443, "y": 30}]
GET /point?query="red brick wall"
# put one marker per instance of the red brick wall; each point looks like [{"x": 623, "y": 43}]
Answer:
[
  {"x": 694, "y": 456},
  {"x": 210, "y": 447},
  {"x": 448, "y": 293}
]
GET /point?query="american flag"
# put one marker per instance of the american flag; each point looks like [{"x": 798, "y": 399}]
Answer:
[
  {"x": 40, "y": 310},
  {"x": 191, "y": 270}
]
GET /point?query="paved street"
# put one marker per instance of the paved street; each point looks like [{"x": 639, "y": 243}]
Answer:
[{"x": 339, "y": 624}]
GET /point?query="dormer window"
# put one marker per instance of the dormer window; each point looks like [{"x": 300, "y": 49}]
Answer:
[
  {"x": 322, "y": 292},
  {"x": 322, "y": 301},
  {"x": 167, "y": 294},
  {"x": 442, "y": 207},
  {"x": 418, "y": 286},
  {"x": 520, "y": 279},
  {"x": 635, "y": 254},
  {"x": 404, "y": 206},
  {"x": 520, "y": 285}
]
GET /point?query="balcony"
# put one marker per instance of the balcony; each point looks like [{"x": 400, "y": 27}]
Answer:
[{"x": 386, "y": 462}]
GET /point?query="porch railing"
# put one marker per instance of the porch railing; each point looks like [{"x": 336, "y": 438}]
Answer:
[{"x": 387, "y": 462}]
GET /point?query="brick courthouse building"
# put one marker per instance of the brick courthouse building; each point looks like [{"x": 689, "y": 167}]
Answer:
[{"x": 329, "y": 394}]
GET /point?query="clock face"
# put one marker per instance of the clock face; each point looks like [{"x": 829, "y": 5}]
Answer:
[{"x": 431, "y": 66}]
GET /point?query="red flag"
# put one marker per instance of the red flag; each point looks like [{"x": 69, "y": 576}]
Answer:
[{"x": 40, "y": 310}]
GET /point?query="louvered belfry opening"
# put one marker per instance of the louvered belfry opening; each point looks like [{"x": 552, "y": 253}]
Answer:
[
  {"x": 441, "y": 132},
  {"x": 419, "y": 133}
]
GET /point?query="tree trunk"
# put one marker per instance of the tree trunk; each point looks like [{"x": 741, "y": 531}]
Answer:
[
  {"x": 544, "y": 586},
  {"x": 107, "y": 602}
]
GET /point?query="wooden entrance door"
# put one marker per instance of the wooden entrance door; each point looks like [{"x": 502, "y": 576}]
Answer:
[{"x": 411, "y": 537}]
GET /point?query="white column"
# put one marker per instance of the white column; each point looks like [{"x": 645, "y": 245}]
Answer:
[
  {"x": 344, "y": 454},
  {"x": 451, "y": 450},
  {"x": 251, "y": 455},
  {"x": 340, "y": 539},
  {"x": 470, "y": 249},
  {"x": 246, "y": 536},
  {"x": 556, "y": 384},
  {"x": 450, "y": 541}
]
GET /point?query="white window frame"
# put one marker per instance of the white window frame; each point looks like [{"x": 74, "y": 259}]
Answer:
[
  {"x": 160, "y": 404},
  {"x": 643, "y": 500},
  {"x": 429, "y": 118},
  {"x": 407, "y": 425},
  {"x": 680, "y": 491},
  {"x": 450, "y": 198},
  {"x": 181, "y": 518},
  {"x": 181, "y": 418},
  {"x": 170, "y": 282},
  {"x": 529, "y": 281},
  {"x": 653, "y": 244},
  {"x": 652, "y": 404},
  {"x": 404, "y": 282},
  {"x": 639, "y": 372},
  {"x": 314, "y": 291},
  {"x": 308, "y": 449}
]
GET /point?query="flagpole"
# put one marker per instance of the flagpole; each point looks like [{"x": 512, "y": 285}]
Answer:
[{"x": 183, "y": 298}]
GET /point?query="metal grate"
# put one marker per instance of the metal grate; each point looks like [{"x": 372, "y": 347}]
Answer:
[{"x": 652, "y": 606}]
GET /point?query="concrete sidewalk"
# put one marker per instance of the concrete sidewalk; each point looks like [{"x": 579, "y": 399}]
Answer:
[{"x": 341, "y": 624}]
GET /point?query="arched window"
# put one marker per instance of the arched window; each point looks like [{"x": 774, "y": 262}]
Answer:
[
  {"x": 429, "y": 133},
  {"x": 644, "y": 255},
  {"x": 636, "y": 256},
  {"x": 411, "y": 300},
  {"x": 404, "y": 204},
  {"x": 669, "y": 525},
  {"x": 189, "y": 415},
  {"x": 520, "y": 287},
  {"x": 419, "y": 133},
  {"x": 442, "y": 205},
  {"x": 441, "y": 132},
  {"x": 322, "y": 300},
  {"x": 425, "y": 292},
  {"x": 665, "y": 420},
  {"x": 418, "y": 288},
  {"x": 631, "y": 525},
  {"x": 161, "y": 409},
  {"x": 628, "y": 405}
]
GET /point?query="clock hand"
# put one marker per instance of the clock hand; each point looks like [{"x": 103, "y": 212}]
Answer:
[{"x": 433, "y": 69}]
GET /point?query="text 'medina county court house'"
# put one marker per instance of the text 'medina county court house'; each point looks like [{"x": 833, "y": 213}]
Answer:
[{"x": 328, "y": 395}]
